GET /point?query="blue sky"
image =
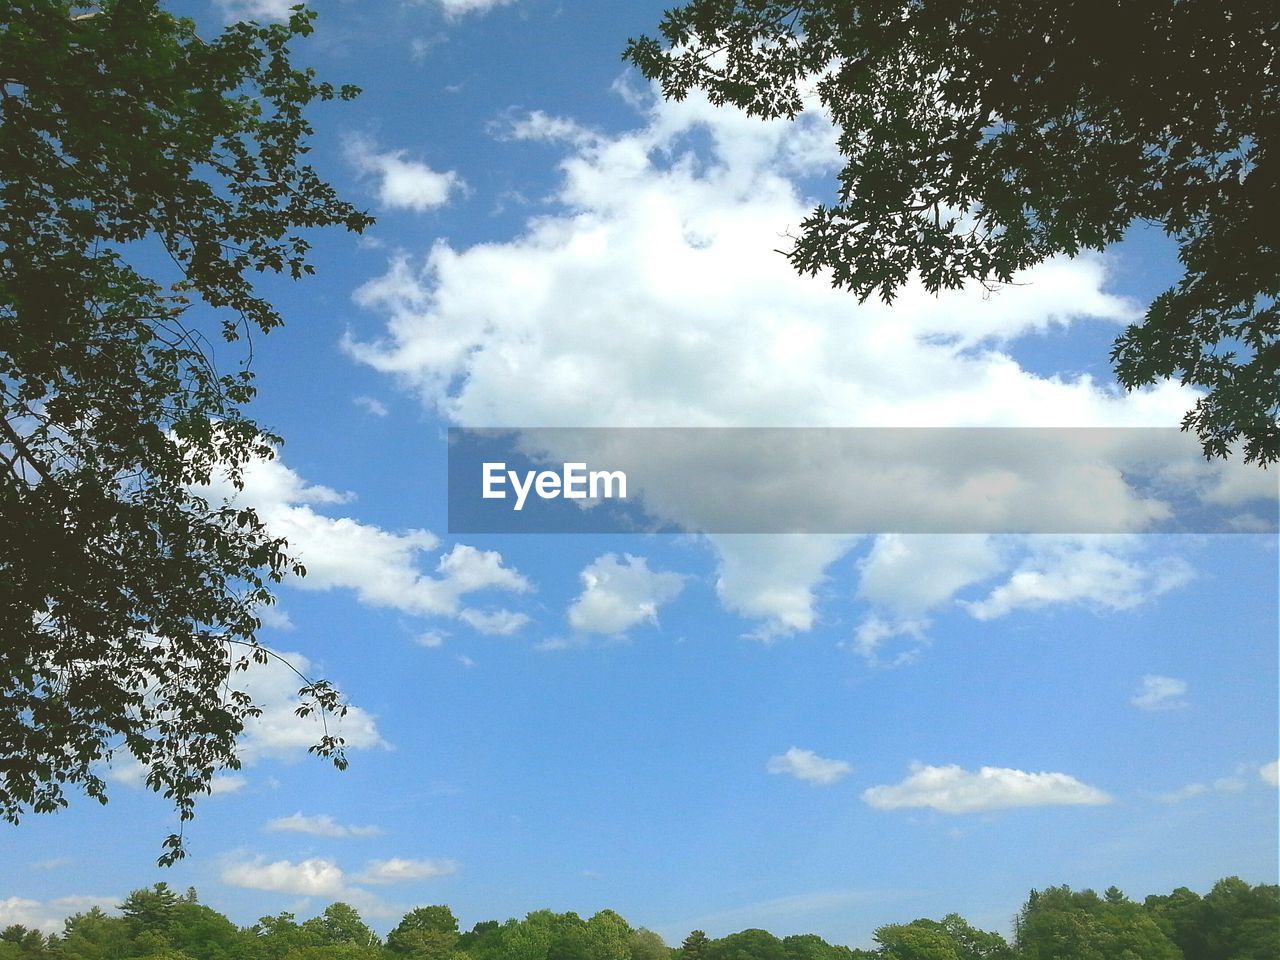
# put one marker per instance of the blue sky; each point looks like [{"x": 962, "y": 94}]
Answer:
[{"x": 807, "y": 734}]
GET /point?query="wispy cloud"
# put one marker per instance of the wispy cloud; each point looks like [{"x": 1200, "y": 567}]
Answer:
[
  {"x": 807, "y": 765},
  {"x": 398, "y": 870},
  {"x": 459, "y": 8},
  {"x": 1270, "y": 773},
  {"x": 370, "y": 405},
  {"x": 1160, "y": 693},
  {"x": 257, "y": 9},
  {"x": 1191, "y": 790},
  {"x": 320, "y": 825}
]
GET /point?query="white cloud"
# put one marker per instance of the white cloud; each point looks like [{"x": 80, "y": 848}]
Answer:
[
  {"x": 501, "y": 623},
  {"x": 773, "y": 578},
  {"x": 381, "y": 566},
  {"x": 321, "y": 825},
  {"x": 904, "y": 576},
  {"x": 278, "y": 732},
  {"x": 459, "y": 8},
  {"x": 402, "y": 184},
  {"x": 1160, "y": 693},
  {"x": 48, "y": 915},
  {"x": 227, "y": 783},
  {"x": 370, "y": 405},
  {"x": 911, "y": 574},
  {"x": 1270, "y": 773},
  {"x": 310, "y": 878},
  {"x": 431, "y": 639},
  {"x": 1183, "y": 793},
  {"x": 872, "y": 633},
  {"x": 617, "y": 595},
  {"x": 319, "y": 877},
  {"x": 1221, "y": 785},
  {"x": 650, "y": 295},
  {"x": 274, "y": 618},
  {"x": 1098, "y": 572},
  {"x": 257, "y": 9},
  {"x": 53, "y": 863},
  {"x": 952, "y": 789},
  {"x": 807, "y": 765},
  {"x": 397, "y": 870}
]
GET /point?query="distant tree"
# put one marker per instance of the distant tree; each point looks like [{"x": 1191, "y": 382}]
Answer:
[
  {"x": 93, "y": 935},
  {"x": 18, "y": 942},
  {"x": 1061, "y": 924},
  {"x": 478, "y": 934},
  {"x": 150, "y": 910},
  {"x": 608, "y": 936},
  {"x": 428, "y": 933},
  {"x": 647, "y": 945},
  {"x": 808, "y": 946},
  {"x": 981, "y": 137},
  {"x": 340, "y": 923},
  {"x": 203, "y": 933},
  {"x": 1181, "y": 916},
  {"x": 915, "y": 941},
  {"x": 273, "y": 938},
  {"x": 694, "y": 946},
  {"x": 752, "y": 944},
  {"x": 1241, "y": 922},
  {"x": 128, "y": 600}
]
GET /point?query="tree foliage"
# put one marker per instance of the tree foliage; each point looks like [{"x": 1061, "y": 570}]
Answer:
[
  {"x": 1062, "y": 924},
  {"x": 127, "y": 599},
  {"x": 980, "y": 138},
  {"x": 1058, "y": 922}
]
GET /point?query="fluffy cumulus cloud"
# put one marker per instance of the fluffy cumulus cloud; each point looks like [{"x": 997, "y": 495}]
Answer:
[
  {"x": 318, "y": 877},
  {"x": 278, "y": 732},
  {"x": 402, "y": 183},
  {"x": 650, "y": 294},
  {"x": 48, "y": 915},
  {"x": 909, "y": 575},
  {"x": 309, "y": 878},
  {"x": 617, "y": 594},
  {"x": 384, "y": 568},
  {"x": 774, "y": 578},
  {"x": 227, "y": 783},
  {"x": 320, "y": 825},
  {"x": 952, "y": 789},
  {"x": 1160, "y": 693},
  {"x": 807, "y": 765}
]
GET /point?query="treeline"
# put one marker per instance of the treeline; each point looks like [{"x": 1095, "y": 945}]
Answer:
[{"x": 1234, "y": 921}]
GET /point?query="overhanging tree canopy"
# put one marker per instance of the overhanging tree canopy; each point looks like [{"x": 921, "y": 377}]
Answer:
[
  {"x": 127, "y": 601},
  {"x": 980, "y": 138}
]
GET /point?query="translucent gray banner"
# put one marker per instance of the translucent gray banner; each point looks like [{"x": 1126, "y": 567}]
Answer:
[{"x": 851, "y": 481}]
